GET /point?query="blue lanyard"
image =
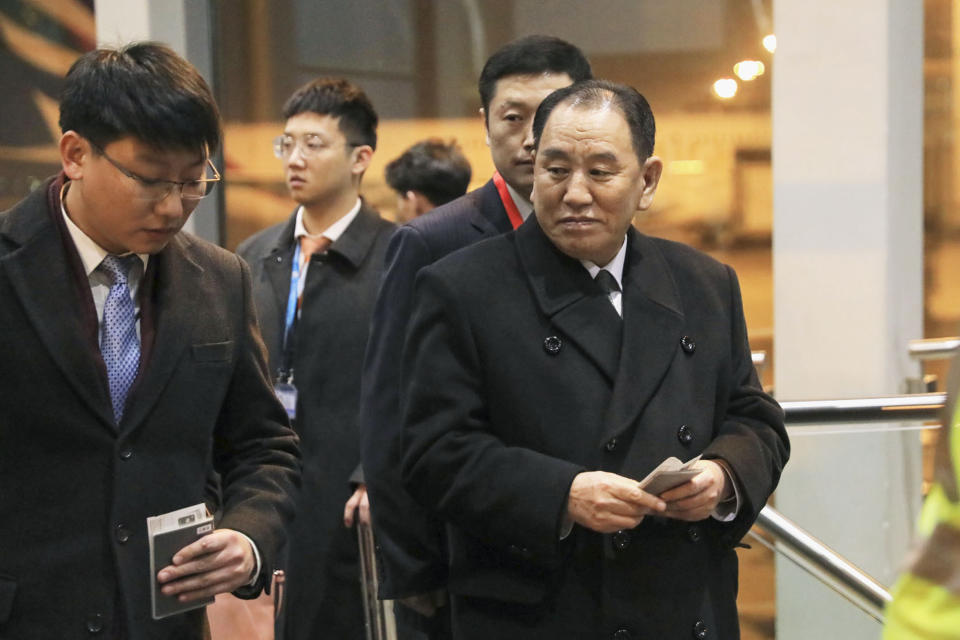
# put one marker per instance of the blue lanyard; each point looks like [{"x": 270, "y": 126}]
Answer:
[{"x": 293, "y": 296}]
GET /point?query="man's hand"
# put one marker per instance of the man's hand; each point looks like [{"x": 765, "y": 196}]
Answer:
[
  {"x": 606, "y": 502},
  {"x": 358, "y": 500},
  {"x": 696, "y": 499},
  {"x": 219, "y": 562}
]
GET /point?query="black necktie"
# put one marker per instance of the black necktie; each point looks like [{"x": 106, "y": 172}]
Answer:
[{"x": 608, "y": 284}]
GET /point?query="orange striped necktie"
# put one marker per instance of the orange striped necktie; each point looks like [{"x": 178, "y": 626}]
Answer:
[{"x": 310, "y": 245}]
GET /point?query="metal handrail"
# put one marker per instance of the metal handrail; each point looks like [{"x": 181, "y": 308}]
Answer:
[
  {"x": 917, "y": 407},
  {"x": 934, "y": 348},
  {"x": 822, "y": 562}
]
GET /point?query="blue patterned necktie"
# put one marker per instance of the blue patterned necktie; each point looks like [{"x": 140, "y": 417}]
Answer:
[{"x": 119, "y": 342}]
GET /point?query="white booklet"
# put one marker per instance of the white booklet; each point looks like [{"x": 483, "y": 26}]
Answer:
[
  {"x": 167, "y": 534},
  {"x": 669, "y": 474}
]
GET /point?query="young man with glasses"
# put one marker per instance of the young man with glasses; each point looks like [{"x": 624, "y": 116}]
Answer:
[
  {"x": 315, "y": 279},
  {"x": 131, "y": 364}
]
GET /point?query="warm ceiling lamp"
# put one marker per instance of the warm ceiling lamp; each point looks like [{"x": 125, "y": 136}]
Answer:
[
  {"x": 770, "y": 43},
  {"x": 748, "y": 70},
  {"x": 725, "y": 88}
]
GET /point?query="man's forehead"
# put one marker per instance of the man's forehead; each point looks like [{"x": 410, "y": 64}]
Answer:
[
  {"x": 158, "y": 155},
  {"x": 312, "y": 123},
  {"x": 602, "y": 116},
  {"x": 519, "y": 86}
]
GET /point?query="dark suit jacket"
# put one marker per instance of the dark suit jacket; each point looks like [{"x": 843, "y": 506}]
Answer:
[
  {"x": 410, "y": 549},
  {"x": 323, "y": 588},
  {"x": 76, "y": 489},
  {"x": 518, "y": 374}
]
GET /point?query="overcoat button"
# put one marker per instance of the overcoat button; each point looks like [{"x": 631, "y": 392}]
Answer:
[
  {"x": 693, "y": 533},
  {"x": 279, "y": 258},
  {"x": 622, "y": 634},
  {"x": 621, "y": 540},
  {"x": 95, "y": 623},
  {"x": 552, "y": 345},
  {"x": 122, "y": 533},
  {"x": 684, "y": 434},
  {"x": 126, "y": 454},
  {"x": 700, "y": 630},
  {"x": 689, "y": 344},
  {"x": 611, "y": 445}
]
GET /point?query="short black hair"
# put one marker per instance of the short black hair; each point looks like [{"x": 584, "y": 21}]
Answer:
[
  {"x": 532, "y": 55},
  {"x": 144, "y": 90},
  {"x": 435, "y": 168},
  {"x": 339, "y": 98},
  {"x": 590, "y": 93}
]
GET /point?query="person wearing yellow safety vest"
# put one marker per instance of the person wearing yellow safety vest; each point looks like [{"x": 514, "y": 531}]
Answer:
[{"x": 926, "y": 598}]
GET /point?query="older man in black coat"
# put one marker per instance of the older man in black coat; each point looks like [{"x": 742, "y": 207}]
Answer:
[{"x": 537, "y": 397}]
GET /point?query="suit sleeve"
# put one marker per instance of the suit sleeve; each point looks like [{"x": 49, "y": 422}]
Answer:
[
  {"x": 409, "y": 536},
  {"x": 255, "y": 451},
  {"x": 752, "y": 438},
  {"x": 454, "y": 461}
]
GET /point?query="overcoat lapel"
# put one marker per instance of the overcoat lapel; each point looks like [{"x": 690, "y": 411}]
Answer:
[
  {"x": 277, "y": 264},
  {"x": 178, "y": 291},
  {"x": 358, "y": 238},
  {"x": 567, "y": 294},
  {"x": 653, "y": 326},
  {"x": 491, "y": 217},
  {"x": 41, "y": 276}
]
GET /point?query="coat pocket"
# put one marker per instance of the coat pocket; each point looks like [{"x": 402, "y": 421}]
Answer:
[
  {"x": 213, "y": 351},
  {"x": 8, "y": 591}
]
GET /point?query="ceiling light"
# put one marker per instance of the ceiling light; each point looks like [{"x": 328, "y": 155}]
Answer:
[
  {"x": 725, "y": 88},
  {"x": 748, "y": 70}
]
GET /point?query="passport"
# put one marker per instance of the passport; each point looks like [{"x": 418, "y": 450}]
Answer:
[{"x": 167, "y": 534}]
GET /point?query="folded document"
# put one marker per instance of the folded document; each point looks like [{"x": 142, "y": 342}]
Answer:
[{"x": 669, "y": 474}]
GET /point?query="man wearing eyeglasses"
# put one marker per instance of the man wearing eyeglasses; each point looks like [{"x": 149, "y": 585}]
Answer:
[
  {"x": 315, "y": 279},
  {"x": 131, "y": 364}
]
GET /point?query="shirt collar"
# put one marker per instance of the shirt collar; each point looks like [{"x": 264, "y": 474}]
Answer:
[
  {"x": 615, "y": 266},
  {"x": 91, "y": 254},
  {"x": 334, "y": 231},
  {"x": 524, "y": 206}
]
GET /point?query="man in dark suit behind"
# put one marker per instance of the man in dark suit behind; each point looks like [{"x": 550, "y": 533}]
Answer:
[
  {"x": 131, "y": 361},
  {"x": 411, "y": 552},
  {"x": 536, "y": 396},
  {"x": 315, "y": 279}
]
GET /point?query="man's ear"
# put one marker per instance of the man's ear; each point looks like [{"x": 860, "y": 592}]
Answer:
[
  {"x": 74, "y": 153},
  {"x": 486, "y": 126},
  {"x": 652, "y": 170},
  {"x": 420, "y": 202},
  {"x": 362, "y": 156}
]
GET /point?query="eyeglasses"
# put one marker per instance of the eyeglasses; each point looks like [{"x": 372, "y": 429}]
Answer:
[
  {"x": 155, "y": 189},
  {"x": 310, "y": 145}
]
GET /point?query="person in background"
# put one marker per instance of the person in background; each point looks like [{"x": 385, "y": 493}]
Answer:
[
  {"x": 548, "y": 370},
  {"x": 926, "y": 598},
  {"x": 412, "y": 554},
  {"x": 131, "y": 362},
  {"x": 428, "y": 174},
  {"x": 315, "y": 279}
]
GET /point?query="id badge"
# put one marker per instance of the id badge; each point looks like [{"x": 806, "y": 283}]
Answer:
[{"x": 287, "y": 394}]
